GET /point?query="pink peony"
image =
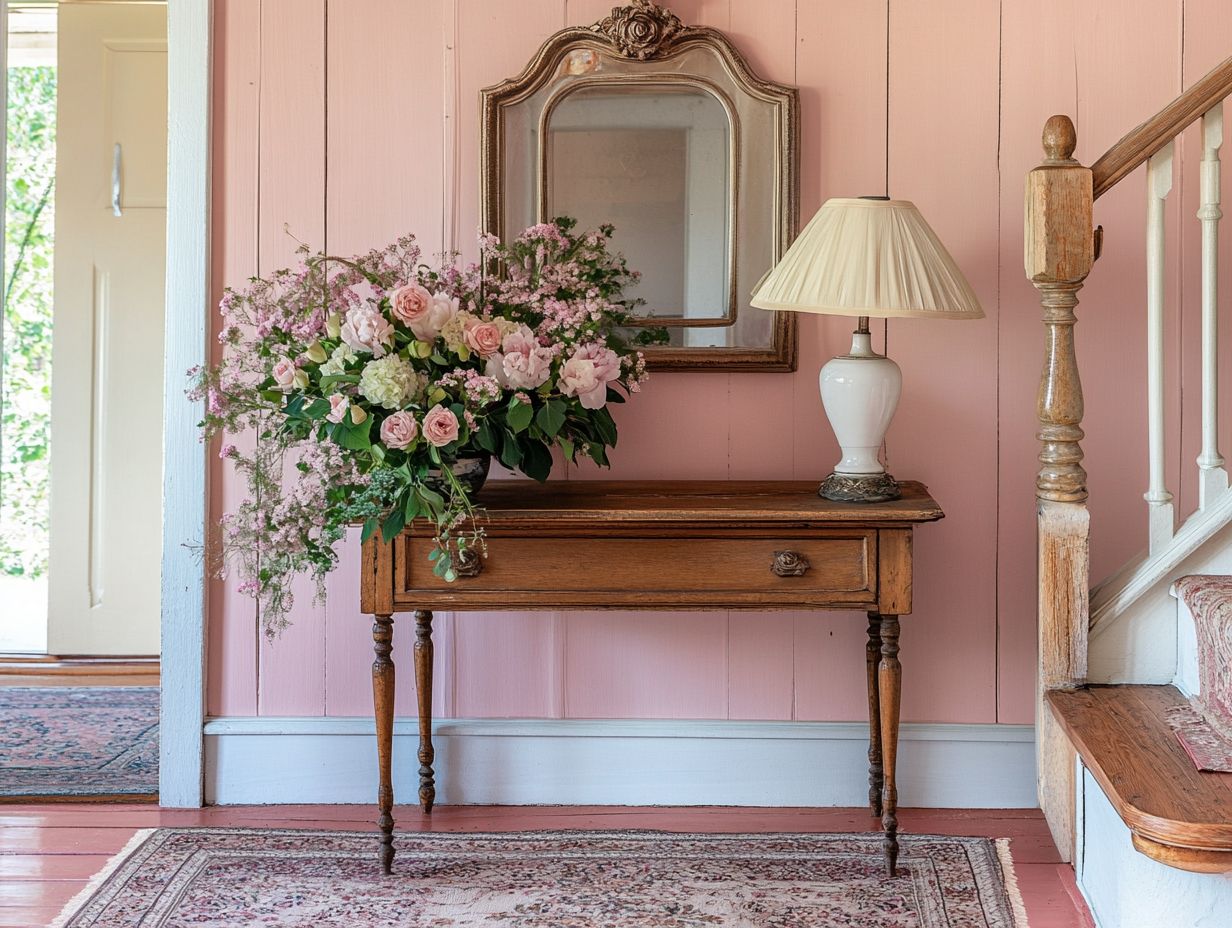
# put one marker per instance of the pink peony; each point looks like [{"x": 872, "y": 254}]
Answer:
[
  {"x": 526, "y": 364},
  {"x": 338, "y": 406},
  {"x": 607, "y": 362},
  {"x": 410, "y": 303},
  {"x": 400, "y": 429},
  {"x": 366, "y": 329},
  {"x": 580, "y": 377},
  {"x": 284, "y": 373},
  {"x": 428, "y": 326},
  {"x": 440, "y": 426},
  {"x": 483, "y": 338}
]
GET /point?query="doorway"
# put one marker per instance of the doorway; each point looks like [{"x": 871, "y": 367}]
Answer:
[{"x": 81, "y": 380}]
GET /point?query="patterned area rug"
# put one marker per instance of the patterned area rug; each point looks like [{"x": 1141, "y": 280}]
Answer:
[
  {"x": 1206, "y": 732},
  {"x": 78, "y": 741},
  {"x": 215, "y": 877}
]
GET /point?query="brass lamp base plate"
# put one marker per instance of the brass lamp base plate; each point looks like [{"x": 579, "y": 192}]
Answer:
[{"x": 860, "y": 488}]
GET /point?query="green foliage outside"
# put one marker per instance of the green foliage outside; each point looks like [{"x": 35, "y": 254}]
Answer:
[{"x": 25, "y": 388}]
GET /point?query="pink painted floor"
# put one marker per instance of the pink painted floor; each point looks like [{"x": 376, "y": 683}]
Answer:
[{"x": 49, "y": 852}]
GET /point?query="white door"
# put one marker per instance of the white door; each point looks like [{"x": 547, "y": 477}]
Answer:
[{"x": 107, "y": 348}]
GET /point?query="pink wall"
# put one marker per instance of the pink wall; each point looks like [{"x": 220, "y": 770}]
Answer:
[{"x": 354, "y": 120}]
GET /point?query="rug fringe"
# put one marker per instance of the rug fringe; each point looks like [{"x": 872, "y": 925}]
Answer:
[
  {"x": 1010, "y": 878},
  {"x": 74, "y": 905}
]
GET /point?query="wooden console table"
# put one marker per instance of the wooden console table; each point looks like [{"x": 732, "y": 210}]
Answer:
[{"x": 663, "y": 545}]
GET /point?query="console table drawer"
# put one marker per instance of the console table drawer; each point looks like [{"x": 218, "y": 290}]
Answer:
[{"x": 835, "y": 568}]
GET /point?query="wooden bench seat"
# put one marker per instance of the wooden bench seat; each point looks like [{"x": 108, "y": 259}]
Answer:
[{"x": 1175, "y": 813}]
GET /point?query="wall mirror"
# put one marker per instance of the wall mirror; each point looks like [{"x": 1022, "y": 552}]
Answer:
[{"x": 662, "y": 130}]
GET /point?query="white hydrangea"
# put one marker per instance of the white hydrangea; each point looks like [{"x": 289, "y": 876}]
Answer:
[
  {"x": 338, "y": 361},
  {"x": 389, "y": 382}
]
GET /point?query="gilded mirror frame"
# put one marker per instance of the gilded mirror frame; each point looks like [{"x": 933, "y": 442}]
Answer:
[{"x": 650, "y": 40}]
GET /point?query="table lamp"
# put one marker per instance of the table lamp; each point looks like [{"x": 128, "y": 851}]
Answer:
[{"x": 867, "y": 256}]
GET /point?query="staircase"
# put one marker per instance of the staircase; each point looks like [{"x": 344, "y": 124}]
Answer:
[{"x": 1149, "y": 833}]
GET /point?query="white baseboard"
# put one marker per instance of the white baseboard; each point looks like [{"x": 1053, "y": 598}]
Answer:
[{"x": 617, "y": 762}]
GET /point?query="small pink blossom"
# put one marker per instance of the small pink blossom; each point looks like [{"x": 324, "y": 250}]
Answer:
[
  {"x": 410, "y": 303},
  {"x": 338, "y": 406},
  {"x": 483, "y": 338},
  {"x": 440, "y": 426},
  {"x": 400, "y": 429},
  {"x": 366, "y": 329}
]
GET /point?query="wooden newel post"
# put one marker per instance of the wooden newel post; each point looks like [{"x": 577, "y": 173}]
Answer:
[{"x": 1060, "y": 249}]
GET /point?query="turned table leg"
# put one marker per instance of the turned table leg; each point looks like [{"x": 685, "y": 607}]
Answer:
[
  {"x": 890, "y": 674},
  {"x": 383, "y": 705},
  {"x": 423, "y": 687},
  {"x": 872, "y": 656}
]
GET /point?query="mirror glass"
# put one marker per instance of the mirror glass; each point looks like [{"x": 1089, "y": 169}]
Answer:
[{"x": 655, "y": 163}]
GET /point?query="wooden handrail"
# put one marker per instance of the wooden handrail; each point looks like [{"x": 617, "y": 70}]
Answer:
[{"x": 1141, "y": 143}]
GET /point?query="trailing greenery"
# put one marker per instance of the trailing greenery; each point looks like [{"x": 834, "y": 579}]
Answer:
[{"x": 25, "y": 377}]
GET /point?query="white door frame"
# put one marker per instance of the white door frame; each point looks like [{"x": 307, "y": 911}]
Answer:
[{"x": 185, "y": 485}]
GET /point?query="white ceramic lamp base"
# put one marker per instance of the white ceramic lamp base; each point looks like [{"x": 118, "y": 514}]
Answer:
[{"x": 860, "y": 392}]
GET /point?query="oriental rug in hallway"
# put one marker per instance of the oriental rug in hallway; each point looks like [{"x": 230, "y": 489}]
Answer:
[
  {"x": 70, "y": 741},
  {"x": 214, "y": 877}
]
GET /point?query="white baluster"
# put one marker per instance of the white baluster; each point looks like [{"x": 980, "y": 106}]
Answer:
[
  {"x": 1212, "y": 477},
  {"x": 1159, "y": 184}
]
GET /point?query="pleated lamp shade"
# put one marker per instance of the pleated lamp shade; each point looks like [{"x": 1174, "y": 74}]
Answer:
[{"x": 869, "y": 257}]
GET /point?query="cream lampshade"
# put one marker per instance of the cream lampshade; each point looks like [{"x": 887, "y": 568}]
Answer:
[{"x": 870, "y": 256}]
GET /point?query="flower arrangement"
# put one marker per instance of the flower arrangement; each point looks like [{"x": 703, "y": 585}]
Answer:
[{"x": 374, "y": 384}]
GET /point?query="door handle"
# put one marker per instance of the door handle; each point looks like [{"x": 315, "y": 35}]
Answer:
[{"x": 115, "y": 181}]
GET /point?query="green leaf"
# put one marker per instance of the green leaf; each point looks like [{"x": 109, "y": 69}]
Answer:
[
  {"x": 413, "y": 509},
  {"x": 393, "y": 525},
  {"x": 511, "y": 454},
  {"x": 317, "y": 408},
  {"x": 487, "y": 437},
  {"x": 605, "y": 426},
  {"x": 614, "y": 396},
  {"x": 370, "y": 528},
  {"x": 536, "y": 460},
  {"x": 597, "y": 454},
  {"x": 354, "y": 437},
  {"x": 551, "y": 417},
  {"x": 330, "y": 379},
  {"x": 519, "y": 416}
]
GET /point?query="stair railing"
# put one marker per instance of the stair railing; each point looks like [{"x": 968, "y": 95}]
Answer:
[{"x": 1062, "y": 244}]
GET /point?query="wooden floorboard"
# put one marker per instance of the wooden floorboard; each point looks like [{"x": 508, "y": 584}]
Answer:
[{"x": 48, "y": 852}]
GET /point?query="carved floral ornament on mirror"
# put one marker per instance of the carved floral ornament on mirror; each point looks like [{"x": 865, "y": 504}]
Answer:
[{"x": 662, "y": 130}]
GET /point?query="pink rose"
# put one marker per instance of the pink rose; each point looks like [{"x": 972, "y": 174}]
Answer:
[
  {"x": 410, "y": 303},
  {"x": 400, "y": 429},
  {"x": 527, "y": 364},
  {"x": 338, "y": 406},
  {"x": 579, "y": 377},
  {"x": 366, "y": 329},
  {"x": 284, "y": 373},
  {"x": 440, "y": 426},
  {"x": 483, "y": 338},
  {"x": 442, "y": 309}
]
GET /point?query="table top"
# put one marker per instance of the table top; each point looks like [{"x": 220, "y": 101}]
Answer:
[{"x": 726, "y": 501}]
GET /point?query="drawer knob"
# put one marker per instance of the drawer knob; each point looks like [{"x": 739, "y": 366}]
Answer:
[
  {"x": 789, "y": 564},
  {"x": 468, "y": 563}
]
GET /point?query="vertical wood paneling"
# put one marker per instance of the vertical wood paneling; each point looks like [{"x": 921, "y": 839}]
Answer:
[
  {"x": 948, "y": 166},
  {"x": 385, "y": 179},
  {"x": 841, "y": 72},
  {"x": 232, "y": 633},
  {"x": 641, "y": 665},
  {"x": 1128, "y": 67},
  {"x": 397, "y": 123},
  {"x": 1037, "y": 81},
  {"x": 492, "y": 40},
  {"x": 292, "y": 200}
]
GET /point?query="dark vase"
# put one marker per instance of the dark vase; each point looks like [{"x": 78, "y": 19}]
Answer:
[{"x": 470, "y": 467}]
